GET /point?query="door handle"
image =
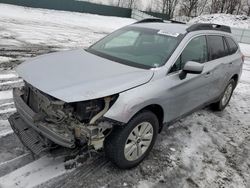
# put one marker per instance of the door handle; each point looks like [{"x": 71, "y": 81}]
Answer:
[{"x": 230, "y": 63}]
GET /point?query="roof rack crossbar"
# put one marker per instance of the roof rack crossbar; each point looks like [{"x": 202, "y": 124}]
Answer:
[
  {"x": 148, "y": 20},
  {"x": 175, "y": 21},
  {"x": 208, "y": 26}
]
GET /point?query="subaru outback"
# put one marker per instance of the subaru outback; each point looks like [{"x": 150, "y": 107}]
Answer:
[{"x": 117, "y": 94}]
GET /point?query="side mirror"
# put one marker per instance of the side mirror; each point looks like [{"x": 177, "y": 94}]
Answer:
[{"x": 191, "y": 67}]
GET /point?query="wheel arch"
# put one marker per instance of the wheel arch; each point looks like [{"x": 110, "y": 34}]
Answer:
[
  {"x": 157, "y": 110},
  {"x": 235, "y": 78}
]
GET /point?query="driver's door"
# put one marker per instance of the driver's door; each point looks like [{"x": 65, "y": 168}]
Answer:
[{"x": 184, "y": 95}]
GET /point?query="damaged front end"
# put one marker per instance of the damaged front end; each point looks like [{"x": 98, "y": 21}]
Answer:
[{"x": 42, "y": 121}]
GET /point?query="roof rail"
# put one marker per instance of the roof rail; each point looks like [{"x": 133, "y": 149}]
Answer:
[
  {"x": 208, "y": 26},
  {"x": 175, "y": 21},
  {"x": 148, "y": 20}
]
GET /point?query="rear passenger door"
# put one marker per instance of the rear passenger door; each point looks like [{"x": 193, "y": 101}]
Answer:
[{"x": 218, "y": 64}]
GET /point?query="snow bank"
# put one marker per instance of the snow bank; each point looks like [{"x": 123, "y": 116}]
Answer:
[
  {"x": 239, "y": 21},
  {"x": 62, "y": 17}
]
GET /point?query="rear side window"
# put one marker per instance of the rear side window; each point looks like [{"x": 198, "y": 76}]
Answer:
[
  {"x": 232, "y": 46},
  {"x": 217, "y": 47}
]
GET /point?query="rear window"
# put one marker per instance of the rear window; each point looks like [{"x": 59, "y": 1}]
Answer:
[
  {"x": 232, "y": 46},
  {"x": 217, "y": 48}
]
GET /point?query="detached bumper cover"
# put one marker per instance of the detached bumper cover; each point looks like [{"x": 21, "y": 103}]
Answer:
[
  {"x": 28, "y": 136},
  {"x": 25, "y": 119}
]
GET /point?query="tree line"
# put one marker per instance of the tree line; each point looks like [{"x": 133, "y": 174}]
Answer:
[{"x": 189, "y": 8}]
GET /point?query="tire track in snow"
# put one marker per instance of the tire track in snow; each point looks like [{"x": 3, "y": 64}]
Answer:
[
  {"x": 8, "y": 75},
  {"x": 34, "y": 173},
  {"x": 5, "y": 128},
  {"x": 10, "y": 147},
  {"x": 8, "y": 80},
  {"x": 13, "y": 164},
  {"x": 11, "y": 83},
  {"x": 43, "y": 171},
  {"x": 5, "y": 95},
  {"x": 82, "y": 171}
]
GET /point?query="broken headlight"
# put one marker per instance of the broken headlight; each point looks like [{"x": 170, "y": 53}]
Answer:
[{"x": 86, "y": 110}]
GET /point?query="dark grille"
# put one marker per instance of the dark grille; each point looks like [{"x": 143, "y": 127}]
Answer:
[
  {"x": 30, "y": 98},
  {"x": 33, "y": 101}
]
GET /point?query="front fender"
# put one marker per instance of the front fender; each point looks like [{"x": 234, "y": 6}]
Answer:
[{"x": 128, "y": 104}]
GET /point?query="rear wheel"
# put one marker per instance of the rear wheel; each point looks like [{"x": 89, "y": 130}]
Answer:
[
  {"x": 126, "y": 147},
  {"x": 225, "y": 98}
]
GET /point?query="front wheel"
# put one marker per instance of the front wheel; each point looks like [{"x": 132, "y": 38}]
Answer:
[
  {"x": 226, "y": 96},
  {"x": 126, "y": 147}
]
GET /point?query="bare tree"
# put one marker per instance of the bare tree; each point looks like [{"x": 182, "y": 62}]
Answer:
[
  {"x": 244, "y": 7},
  {"x": 222, "y": 5},
  {"x": 189, "y": 7},
  {"x": 128, "y": 3},
  {"x": 231, "y": 6},
  {"x": 166, "y": 7},
  {"x": 226, "y": 6},
  {"x": 216, "y": 6},
  {"x": 131, "y": 3},
  {"x": 119, "y": 2},
  {"x": 203, "y": 7}
]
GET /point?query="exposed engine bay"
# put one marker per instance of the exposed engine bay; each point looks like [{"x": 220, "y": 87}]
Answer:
[{"x": 82, "y": 121}]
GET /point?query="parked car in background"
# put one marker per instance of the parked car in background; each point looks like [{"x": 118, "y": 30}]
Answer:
[{"x": 117, "y": 94}]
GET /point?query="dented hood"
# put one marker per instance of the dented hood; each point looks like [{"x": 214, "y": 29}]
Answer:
[{"x": 78, "y": 75}]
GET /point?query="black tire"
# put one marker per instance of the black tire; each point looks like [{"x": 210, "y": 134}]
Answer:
[
  {"x": 219, "y": 106},
  {"x": 114, "y": 145}
]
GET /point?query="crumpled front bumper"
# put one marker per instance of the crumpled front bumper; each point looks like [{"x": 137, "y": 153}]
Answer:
[{"x": 26, "y": 119}]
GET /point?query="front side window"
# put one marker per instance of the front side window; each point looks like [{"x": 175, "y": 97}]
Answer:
[
  {"x": 217, "y": 47},
  {"x": 196, "y": 50},
  {"x": 138, "y": 47}
]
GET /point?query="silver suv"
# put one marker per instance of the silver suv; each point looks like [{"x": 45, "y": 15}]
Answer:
[{"x": 117, "y": 94}]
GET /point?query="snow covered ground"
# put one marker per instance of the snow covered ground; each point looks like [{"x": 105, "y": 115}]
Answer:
[
  {"x": 238, "y": 21},
  {"x": 205, "y": 149},
  {"x": 245, "y": 49},
  {"x": 48, "y": 30}
]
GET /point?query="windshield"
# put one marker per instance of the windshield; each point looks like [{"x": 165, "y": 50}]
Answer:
[{"x": 138, "y": 47}]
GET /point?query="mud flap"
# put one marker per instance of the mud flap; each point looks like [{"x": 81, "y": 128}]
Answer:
[{"x": 28, "y": 136}]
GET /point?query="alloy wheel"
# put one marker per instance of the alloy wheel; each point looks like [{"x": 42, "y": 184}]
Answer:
[
  {"x": 138, "y": 141},
  {"x": 227, "y": 94}
]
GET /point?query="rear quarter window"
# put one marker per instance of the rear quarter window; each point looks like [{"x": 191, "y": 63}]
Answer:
[
  {"x": 217, "y": 48},
  {"x": 233, "y": 48}
]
